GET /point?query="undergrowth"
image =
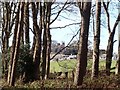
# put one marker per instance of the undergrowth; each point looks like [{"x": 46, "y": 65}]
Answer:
[{"x": 103, "y": 81}]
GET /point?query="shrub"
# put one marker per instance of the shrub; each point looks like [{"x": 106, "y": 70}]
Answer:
[{"x": 25, "y": 64}]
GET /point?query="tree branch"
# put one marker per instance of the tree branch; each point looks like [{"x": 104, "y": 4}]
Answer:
[
  {"x": 116, "y": 23},
  {"x": 55, "y": 7},
  {"x": 114, "y": 41},
  {"x": 67, "y": 18},
  {"x": 59, "y": 12},
  {"x": 93, "y": 22},
  {"x": 108, "y": 16},
  {"x": 65, "y": 26}
]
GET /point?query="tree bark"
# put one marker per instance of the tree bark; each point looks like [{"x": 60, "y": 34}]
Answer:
[
  {"x": 44, "y": 55},
  {"x": 117, "y": 71},
  {"x": 27, "y": 40},
  {"x": 37, "y": 49},
  {"x": 110, "y": 45},
  {"x": 82, "y": 52},
  {"x": 44, "y": 51},
  {"x": 109, "y": 51},
  {"x": 17, "y": 44},
  {"x": 5, "y": 36},
  {"x": 95, "y": 65},
  {"x": 48, "y": 39},
  {"x": 13, "y": 47}
]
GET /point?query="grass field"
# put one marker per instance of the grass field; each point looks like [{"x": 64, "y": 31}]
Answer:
[
  {"x": 68, "y": 65},
  {"x": 65, "y": 65}
]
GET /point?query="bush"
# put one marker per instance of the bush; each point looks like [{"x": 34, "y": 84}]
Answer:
[{"x": 25, "y": 64}]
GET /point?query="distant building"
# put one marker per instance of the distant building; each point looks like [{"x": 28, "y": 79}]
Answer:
[
  {"x": 72, "y": 57},
  {"x": 60, "y": 57},
  {"x": 103, "y": 56}
]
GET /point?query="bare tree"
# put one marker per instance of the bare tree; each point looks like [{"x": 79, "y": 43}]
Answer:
[
  {"x": 118, "y": 62},
  {"x": 95, "y": 65},
  {"x": 37, "y": 48},
  {"x": 5, "y": 36},
  {"x": 17, "y": 44},
  {"x": 13, "y": 46},
  {"x": 111, "y": 41},
  {"x": 85, "y": 8},
  {"x": 8, "y": 22}
]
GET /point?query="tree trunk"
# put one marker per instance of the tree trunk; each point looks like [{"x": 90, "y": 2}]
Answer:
[
  {"x": 44, "y": 55},
  {"x": 95, "y": 65},
  {"x": 3, "y": 46},
  {"x": 48, "y": 56},
  {"x": 117, "y": 71},
  {"x": 22, "y": 36},
  {"x": 44, "y": 51},
  {"x": 9, "y": 17},
  {"x": 83, "y": 44},
  {"x": 5, "y": 38},
  {"x": 22, "y": 30},
  {"x": 27, "y": 40},
  {"x": 17, "y": 44},
  {"x": 13, "y": 47},
  {"x": 48, "y": 39},
  {"x": 3, "y": 56},
  {"x": 109, "y": 51},
  {"x": 37, "y": 49}
]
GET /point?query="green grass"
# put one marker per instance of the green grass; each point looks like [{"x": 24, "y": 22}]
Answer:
[{"x": 68, "y": 65}]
